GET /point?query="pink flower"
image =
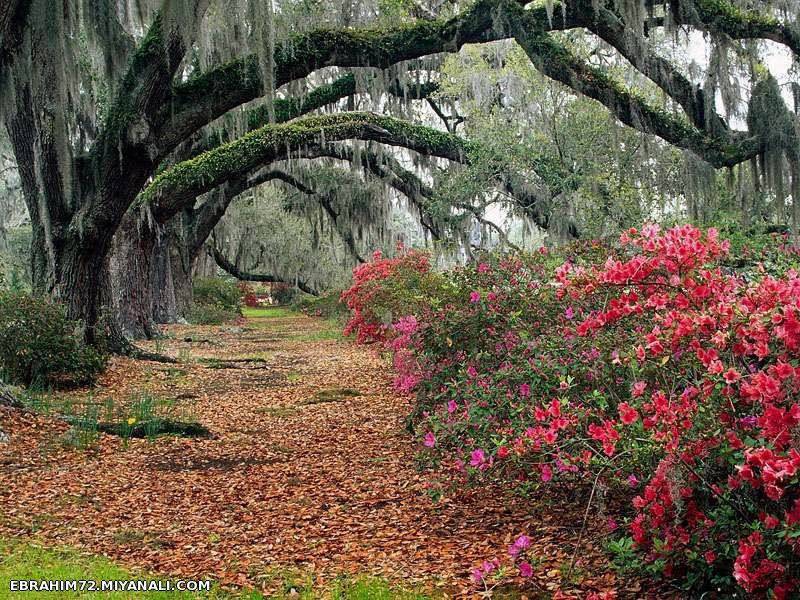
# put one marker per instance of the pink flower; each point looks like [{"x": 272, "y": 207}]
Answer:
[
  {"x": 523, "y": 541},
  {"x": 525, "y": 389},
  {"x": 475, "y": 297},
  {"x": 612, "y": 524},
  {"x": 525, "y": 569},
  {"x": 632, "y": 481},
  {"x": 430, "y": 440},
  {"x": 477, "y": 458},
  {"x": 451, "y": 406},
  {"x": 472, "y": 371},
  {"x": 569, "y": 313},
  {"x": 547, "y": 473},
  {"x": 483, "y": 268}
]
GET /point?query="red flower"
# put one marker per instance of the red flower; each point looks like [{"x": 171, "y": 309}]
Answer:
[{"x": 731, "y": 376}]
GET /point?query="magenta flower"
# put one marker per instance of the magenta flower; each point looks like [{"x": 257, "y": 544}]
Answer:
[
  {"x": 477, "y": 458},
  {"x": 569, "y": 313},
  {"x": 475, "y": 297},
  {"x": 525, "y": 389},
  {"x": 525, "y": 569},
  {"x": 451, "y": 406},
  {"x": 547, "y": 473},
  {"x": 483, "y": 268},
  {"x": 430, "y": 440},
  {"x": 632, "y": 481},
  {"x": 523, "y": 541},
  {"x": 472, "y": 371}
]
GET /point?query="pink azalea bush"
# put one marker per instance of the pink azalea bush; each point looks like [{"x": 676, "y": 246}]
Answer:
[{"x": 650, "y": 364}]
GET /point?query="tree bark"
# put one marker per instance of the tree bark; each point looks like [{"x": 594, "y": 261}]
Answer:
[
  {"x": 162, "y": 283},
  {"x": 131, "y": 264}
]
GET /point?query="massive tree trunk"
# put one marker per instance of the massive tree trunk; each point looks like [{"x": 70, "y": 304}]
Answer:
[
  {"x": 162, "y": 284},
  {"x": 78, "y": 193},
  {"x": 131, "y": 264},
  {"x": 182, "y": 261}
]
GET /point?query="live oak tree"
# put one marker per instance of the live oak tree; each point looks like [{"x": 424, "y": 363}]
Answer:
[{"x": 109, "y": 105}]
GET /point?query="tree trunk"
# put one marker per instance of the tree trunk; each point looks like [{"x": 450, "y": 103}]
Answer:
[
  {"x": 131, "y": 260},
  {"x": 181, "y": 266},
  {"x": 162, "y": 284}
]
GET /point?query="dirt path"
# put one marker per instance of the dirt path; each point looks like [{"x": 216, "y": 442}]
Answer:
[{"x": 301, "y": 474}]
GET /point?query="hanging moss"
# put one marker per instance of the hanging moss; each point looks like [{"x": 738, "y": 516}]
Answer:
[{"x": 771, "y": 122}]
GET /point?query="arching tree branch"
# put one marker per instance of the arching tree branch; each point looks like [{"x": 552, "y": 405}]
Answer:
[
  {"x": 286, "y": 109},
  {"x": 212, "y": 94},
  {"x": 234, "y": 271},
  {"x": 172, "y": 189}
]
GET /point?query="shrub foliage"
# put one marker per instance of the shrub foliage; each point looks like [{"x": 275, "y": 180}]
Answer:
[
  {"x": 650, "y": 365},
  {"x": 39, "y": 345},
  {"x": 215, "y": 301}
]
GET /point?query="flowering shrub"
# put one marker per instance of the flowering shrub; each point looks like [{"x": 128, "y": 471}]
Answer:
[
  {"x": 385, "y": 289},
  {"x": 651, "y": 365},
  {"x": 282, "y": 293},
  {"x": 249, "y": 297}
]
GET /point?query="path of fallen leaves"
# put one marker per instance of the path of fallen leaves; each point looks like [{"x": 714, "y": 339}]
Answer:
[{"x": 328, "y": 488}]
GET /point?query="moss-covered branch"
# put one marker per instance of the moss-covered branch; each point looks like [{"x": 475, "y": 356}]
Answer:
[
  {"x": 173, "y": 189},
  {"x": 560, "y": 64},
  {"x": 125, "y": 152},
  {"x": 208, "y": 96},
  {"x": 604, "y": 21},
  {"x": 286, "y": 109},
  {"x": 725, "y": 17}
]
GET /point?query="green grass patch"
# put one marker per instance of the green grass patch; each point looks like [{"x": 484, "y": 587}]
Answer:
[
  {"x": 19, "y": 560},
  {"x": 331, "y": 395},
  {"x": 267, "y": 312},
  {"x": 372, "y": 588},
  {"x": 277, "y": 411},
  {"x": 328, "y": 333},
  {"x": 28, "y": 561}
]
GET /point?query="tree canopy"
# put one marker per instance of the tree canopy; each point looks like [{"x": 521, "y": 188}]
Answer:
[{"x": 148, "y": 118}]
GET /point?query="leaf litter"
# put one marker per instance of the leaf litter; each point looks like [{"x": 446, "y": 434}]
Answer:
[{"x": 309, "y": 467}]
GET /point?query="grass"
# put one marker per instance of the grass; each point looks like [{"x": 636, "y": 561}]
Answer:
[
  {"x": 331, "y": 331},
  {"x": 27, "y": 561},
  {"x": 32, "y": 562},
  {"x": 267, "y": 312},
  {"x": 277, "y": 411},
  {"x": 331, "y": 395}
]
